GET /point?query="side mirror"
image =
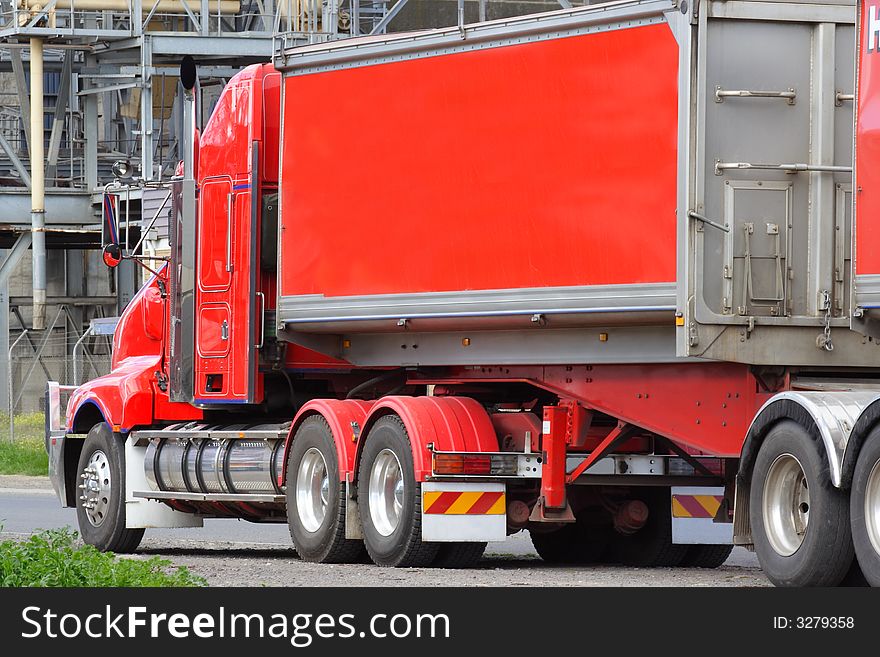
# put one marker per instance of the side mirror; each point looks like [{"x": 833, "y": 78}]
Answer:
[
  {"x": 121, "y": 169},
  {"x": 188, "y": 74},
  {"x": 112, "y": 255}
]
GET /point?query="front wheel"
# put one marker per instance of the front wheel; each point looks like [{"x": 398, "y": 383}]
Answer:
[
  {"x": 389, "y": 502},
  {"x": 865, "y": 508},
  {"x": 800, "y": 521},
  {"x": 100, "y": 505}
]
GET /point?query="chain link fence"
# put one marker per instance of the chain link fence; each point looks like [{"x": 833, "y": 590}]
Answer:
[
  {"x": 27, "y": 389},
  {"x": 28, "y": 377}
]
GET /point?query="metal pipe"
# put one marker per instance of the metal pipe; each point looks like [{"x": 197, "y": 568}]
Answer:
[
  {"x": 11, "y": 402},
  {"x": 85, "y": 334},
  {"x": 226, "y": 7},
  {"x": 38, "y": 186}
]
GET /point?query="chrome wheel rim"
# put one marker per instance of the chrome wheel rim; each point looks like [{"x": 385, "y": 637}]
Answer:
[
  {"x": 312, "y": 490},
  {"x": 786, "y": 505},
  {"x": 386, "y": 490},
  {"x": 96, "y": 487},
  {"x": 872, "y": 507}
]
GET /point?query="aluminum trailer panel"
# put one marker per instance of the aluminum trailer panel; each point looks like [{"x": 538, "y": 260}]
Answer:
[{"x": 635, "y": 164}]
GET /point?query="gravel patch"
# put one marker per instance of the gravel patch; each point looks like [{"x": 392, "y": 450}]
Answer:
[
  {"x": 238, "y": 564},
  {"x": 22, "y": 482}
]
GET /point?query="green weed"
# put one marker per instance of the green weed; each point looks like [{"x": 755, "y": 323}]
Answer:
[{"x": 52, "y": 558}]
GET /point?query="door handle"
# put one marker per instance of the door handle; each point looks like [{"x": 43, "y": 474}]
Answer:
[{"x": 262, "y": 296}]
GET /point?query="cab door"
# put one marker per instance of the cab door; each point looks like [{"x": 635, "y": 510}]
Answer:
[{"x": 226, "y": 318}]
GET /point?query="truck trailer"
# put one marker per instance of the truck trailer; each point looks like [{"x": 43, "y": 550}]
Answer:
[{"x": 602, "y": 274}]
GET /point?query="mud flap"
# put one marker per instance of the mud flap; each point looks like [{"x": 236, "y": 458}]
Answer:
[
  {"x": 453, "y": 512},
  {"x": 693, "y": 516},
  {"x": 143, "y": 513}
]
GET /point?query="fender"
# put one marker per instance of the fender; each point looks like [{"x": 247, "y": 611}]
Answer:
[
  {"x": 833, "y": 414},
  {"x": 452, "y": 424},
  {"x": 840, "y": 420},
  {"x": 124, "y": 397},
  {"x": 863, "y": 426},
  {"x": 346, "y": 419}
]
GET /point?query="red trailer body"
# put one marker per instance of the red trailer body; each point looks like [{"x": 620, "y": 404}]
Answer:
[{"x": 524, "y": 178}]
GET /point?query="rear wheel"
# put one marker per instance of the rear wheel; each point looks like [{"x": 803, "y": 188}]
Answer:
[
  {"x": 800, "y": 521},
  {"x": 706, "y": 556},
  {"x": 316, "y": 497},
  {"x": 573, "y": 543},
  {"x": 459, "y": 555},
  {"x": 389, "y": 502},
  {"x": 865, "y": 508},
  {"x": 651, "y": 546},
  {"x": 100, "y": 505}
]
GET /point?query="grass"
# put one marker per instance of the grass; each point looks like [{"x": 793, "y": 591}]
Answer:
[
  {"x": 27, "y": 454},
  {"x": 52, "y": 558}
]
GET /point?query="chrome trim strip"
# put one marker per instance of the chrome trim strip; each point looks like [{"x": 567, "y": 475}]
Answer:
[
  {"x": 368, "y": 50},
  {"x": 650, "y": 298},
  {"x": 209, "y": 497}
]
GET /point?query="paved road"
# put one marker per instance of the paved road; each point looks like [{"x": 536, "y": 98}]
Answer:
[{"x": 239, "y": 553}]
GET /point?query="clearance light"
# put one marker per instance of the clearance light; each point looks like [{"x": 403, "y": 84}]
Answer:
[{"x": 486, "y": 465}]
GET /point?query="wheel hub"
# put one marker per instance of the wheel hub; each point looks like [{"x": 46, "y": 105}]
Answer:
[
  {"x": 96, "y": 487},
  {"x": 386, "y": 492},
  {"x": 312, "y": 490},
  {"x": 872, "y": 507},
  {"x": 786, "y": 505}
]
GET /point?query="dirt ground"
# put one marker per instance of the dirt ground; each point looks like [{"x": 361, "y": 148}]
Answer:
[{"x": 238, "y": 564}]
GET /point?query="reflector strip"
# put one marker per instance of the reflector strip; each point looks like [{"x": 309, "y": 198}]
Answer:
[
  {"x": 695, "y": 506},
  {"x": 463, "y": 503}
]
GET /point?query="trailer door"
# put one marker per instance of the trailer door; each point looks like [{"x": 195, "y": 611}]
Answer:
[{"x": 770, "y": 213}]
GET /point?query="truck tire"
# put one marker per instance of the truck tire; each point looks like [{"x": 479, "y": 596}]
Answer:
[
  {"x": 706, "y": 556},
  {"x": 865, "y": 508},
  {"x": 316, "y": 497},
  {"x": 389, "y": 499},
  {"x": 800, "y": 521},
  {"x": 854, "y": 577},
  {"x": 100, "y": 503},
  {"x": 458, "y": 555},
  {"x": 574, "y": 543},
  {"x": 651, "y": 546}
]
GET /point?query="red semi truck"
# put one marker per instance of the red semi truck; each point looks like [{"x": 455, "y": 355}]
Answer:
[{"x": 598, "y": 274}]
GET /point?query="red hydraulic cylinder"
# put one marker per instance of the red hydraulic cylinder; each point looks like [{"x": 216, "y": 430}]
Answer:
[{"x": 554, "y": 447}]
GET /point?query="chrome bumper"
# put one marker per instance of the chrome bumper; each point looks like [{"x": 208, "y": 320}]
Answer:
[{"x": 56, "y": 432}]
